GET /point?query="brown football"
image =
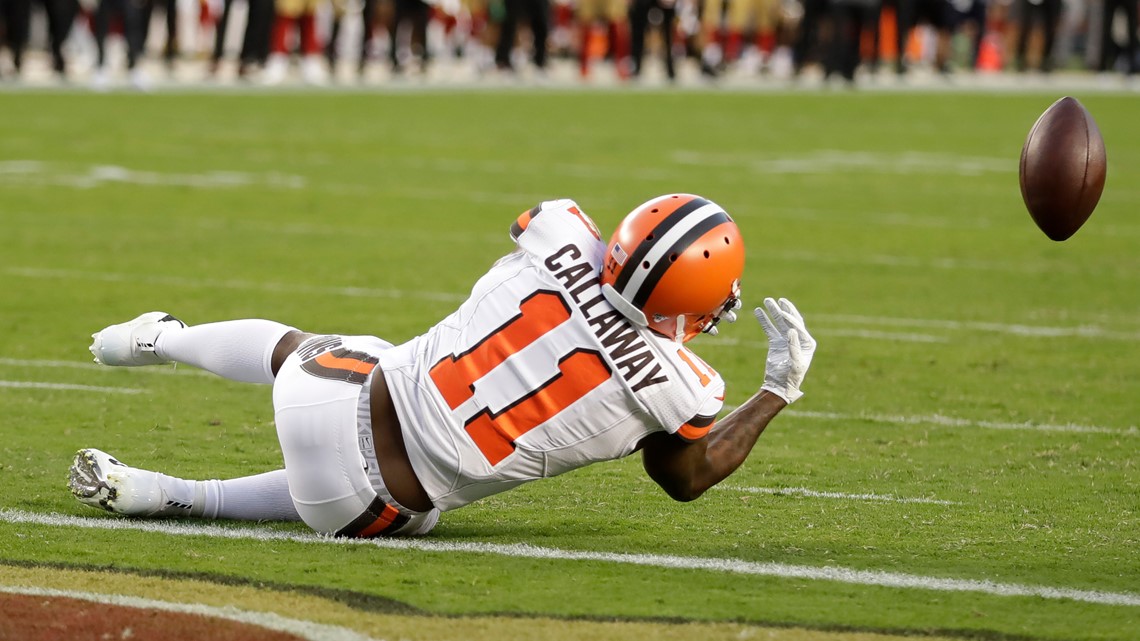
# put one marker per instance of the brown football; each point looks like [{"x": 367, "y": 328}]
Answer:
[{"x": 1062, "y": 168}]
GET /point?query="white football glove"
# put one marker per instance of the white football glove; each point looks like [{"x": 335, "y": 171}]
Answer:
[{"x": 790, "y": 348}]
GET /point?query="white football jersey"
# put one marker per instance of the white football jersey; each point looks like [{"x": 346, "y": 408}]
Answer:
[{"x": 536, "y": 374}]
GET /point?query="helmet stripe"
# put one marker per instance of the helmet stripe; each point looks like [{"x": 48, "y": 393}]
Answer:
[
  {"x": 638, "y": 254},
  {"x": 662, "y": 247},
  {"x": 715, "y": 218}
]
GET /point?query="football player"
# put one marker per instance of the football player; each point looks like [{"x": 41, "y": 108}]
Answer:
[{"x": 569, "y": 351}]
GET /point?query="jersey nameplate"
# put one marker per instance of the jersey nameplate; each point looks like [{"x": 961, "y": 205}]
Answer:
[{"x": 624, "y": 345}]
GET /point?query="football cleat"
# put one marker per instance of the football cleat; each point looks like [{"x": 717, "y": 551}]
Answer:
[
  {"x": 99, "y": 480},
  {"x": 131, "y": 344}
]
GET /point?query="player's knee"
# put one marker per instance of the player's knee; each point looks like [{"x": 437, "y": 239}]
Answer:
[{"x": 286, "y": 346}]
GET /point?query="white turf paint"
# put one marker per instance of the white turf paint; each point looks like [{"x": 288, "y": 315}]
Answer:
[
  {"x": 523, "y": 550},
  {"x": 846, "y": 332},
  {"x": 33, "y": 172},
  {"x": 95, "y": 367},
  {"x": 949, "y": 421},
  {"x": 832, "y": 161},
  {"x": 1029, "y": 331},
  {"x": 71, "y": 387},
  {"x": 268, "y": 620},
  {"x": 803, "y": 491},
  {"x": 1032, "y": 331}
]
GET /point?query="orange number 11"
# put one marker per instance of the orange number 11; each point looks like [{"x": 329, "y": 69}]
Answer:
[{"x": 579, "y": 372}]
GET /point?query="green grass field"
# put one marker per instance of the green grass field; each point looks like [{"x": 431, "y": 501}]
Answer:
[{"x": 969, "y": 419}]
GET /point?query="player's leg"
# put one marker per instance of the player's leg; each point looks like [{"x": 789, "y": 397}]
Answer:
[
  {"x": 99, "y": 480},
  {"x": 323, "y": 417},
  {"x": 241, "y": 350},
  {"x": 250, "y": 350}
]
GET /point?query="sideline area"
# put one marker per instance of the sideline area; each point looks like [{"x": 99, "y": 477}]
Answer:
[
  {"x": 190, "y": 74},
  {"x": 240, "y": 612}
]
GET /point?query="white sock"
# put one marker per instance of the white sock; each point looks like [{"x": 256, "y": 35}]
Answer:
[
  {"x": 240, "y": 350},
  {"x": 263, "y": 497}
]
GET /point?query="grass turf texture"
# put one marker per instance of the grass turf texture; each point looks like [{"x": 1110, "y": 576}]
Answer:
[{"x": 877, "y": 214}]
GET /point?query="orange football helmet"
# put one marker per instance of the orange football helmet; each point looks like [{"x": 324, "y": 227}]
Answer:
[{"x": 674, "y": 265}]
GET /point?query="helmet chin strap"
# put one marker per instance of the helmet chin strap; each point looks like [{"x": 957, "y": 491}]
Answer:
[{"x": 624, "y": 306}]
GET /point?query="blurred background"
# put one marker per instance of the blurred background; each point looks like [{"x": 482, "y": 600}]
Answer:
[{"x": 152, "y": 44}]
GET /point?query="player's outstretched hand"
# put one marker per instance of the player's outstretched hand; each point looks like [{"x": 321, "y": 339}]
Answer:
[{"x": 790, "y": 348}]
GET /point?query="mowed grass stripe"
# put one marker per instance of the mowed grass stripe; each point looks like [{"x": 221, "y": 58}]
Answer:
[
  {"x": 522, "y": 550},
  {"x": 851, "y": 320},
  {"x": 938, "y": 420}
]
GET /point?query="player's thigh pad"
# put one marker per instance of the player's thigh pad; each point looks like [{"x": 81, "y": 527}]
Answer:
[{"x": 316, "y": 425}]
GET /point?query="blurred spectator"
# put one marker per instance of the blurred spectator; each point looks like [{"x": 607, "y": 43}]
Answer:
[
  {"x": 170, "y": 12},
  {"x": 411, "y": 20},
  {"x": 755, "y": 17},
  {"x": 1071, "y": 32},
  {"x": 712, "y": 16},
  {"x": 968, "y": 17},
  {"x": 1110, "y": 49},
  {"x": 613, "y": 17},
  {"x": 295, "y": 17},
  {"x": 482, "y": 34},
  {"x": 888, "y": 16},
  {"x": 15, "y": 16},
  {"x": 850, "y": 18},
  {"x": 1048, "y": 13},
  {"x": 640, "y": 13},
  {"x": 514, "y": 10},
  {"x": 130, "y": 13},
  {"x": 255, "y": 41},
  {"x": 15, "y": 23},
  {"x": 805, "y": 46},
  {"x": 367, "y": 29},
  {"x": 937, "y": 14}
]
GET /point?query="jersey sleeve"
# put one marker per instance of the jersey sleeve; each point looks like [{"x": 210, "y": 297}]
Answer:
[
  {"x": 552, "y": 224},
  {"x": 706, "y": 395},
  {"x": 704, "y": 418}
]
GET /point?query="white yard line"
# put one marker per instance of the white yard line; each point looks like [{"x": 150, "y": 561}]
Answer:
[
  {"x": 71, "y": 387},
  {"x": 522, "y": 550},
  {"x": 845, "y": 332},
  {"x": 269, "y": 620},
  {"x": 1017, "y": 329},
  {"x": 949, "y": 421},
  {"x": 94, "y": 367},
  {"x": 833, "y": 161},
  {"x": 34, "y": 172},
  {"x": 803, "y": 491}
]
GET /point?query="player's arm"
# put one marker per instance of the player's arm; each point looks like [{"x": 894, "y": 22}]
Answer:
[{"x": 684, "y": 469}]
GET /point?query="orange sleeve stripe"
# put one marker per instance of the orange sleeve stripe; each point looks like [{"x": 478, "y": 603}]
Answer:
[{"x": 692, "y": 432}]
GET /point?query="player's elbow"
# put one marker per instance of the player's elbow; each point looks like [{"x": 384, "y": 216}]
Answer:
[{"x": 682, "y": 490}]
